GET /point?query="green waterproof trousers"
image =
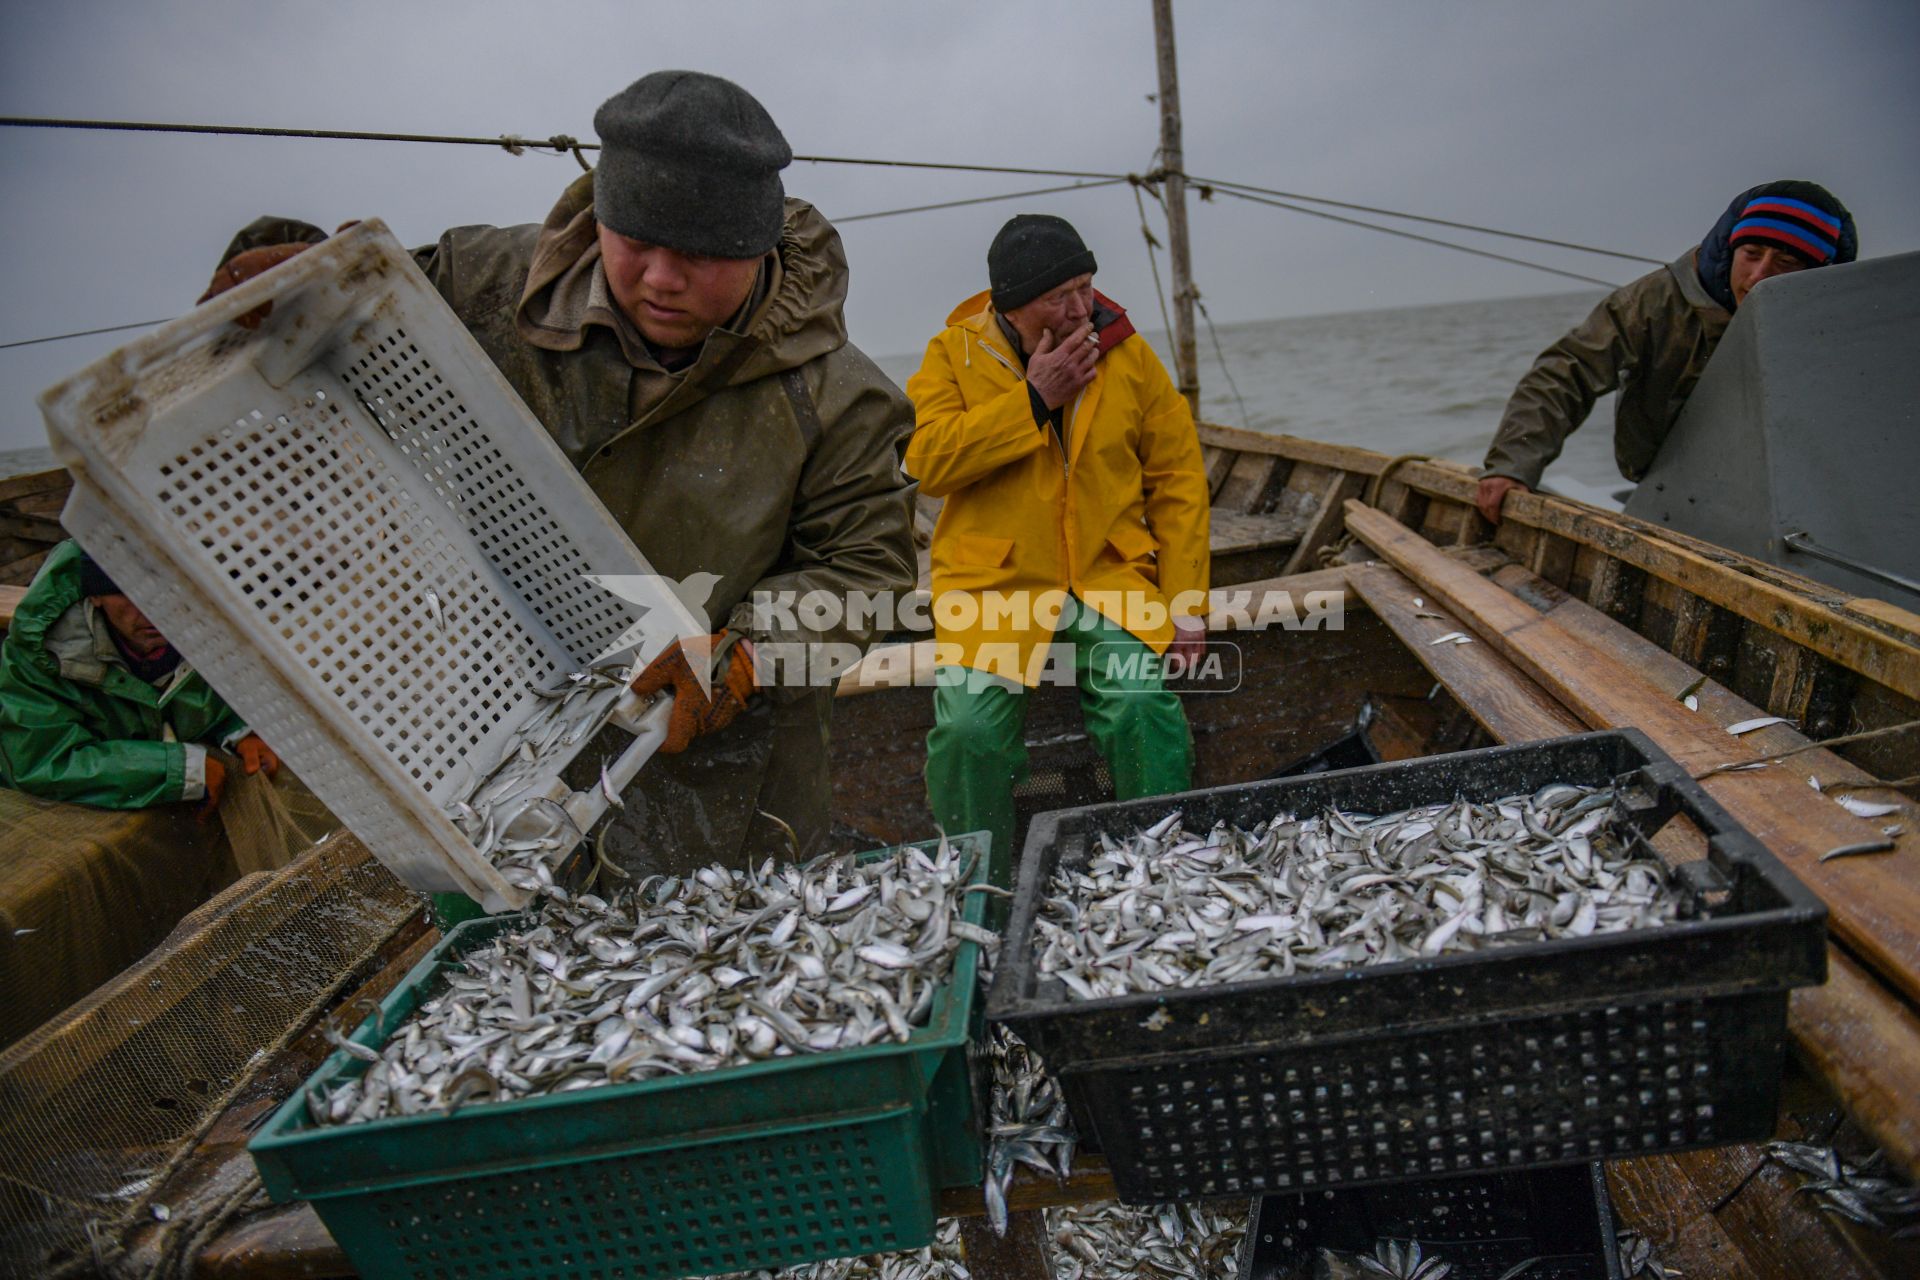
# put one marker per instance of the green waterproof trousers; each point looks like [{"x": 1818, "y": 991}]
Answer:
[{"x": 977, "y": 753}]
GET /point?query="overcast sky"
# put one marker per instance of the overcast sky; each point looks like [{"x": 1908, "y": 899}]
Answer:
[{"x": 1626, "y": 125}]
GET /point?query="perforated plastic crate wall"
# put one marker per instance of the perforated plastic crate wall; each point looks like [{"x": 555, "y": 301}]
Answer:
[
  {"x": 770, "y": 1164},
  {"x": 1514, "y": 1057},
  {"x": 293, "y": 506},
  {"x": 853, "y": 1185},
  {"x": 1561, "y": 1219}
]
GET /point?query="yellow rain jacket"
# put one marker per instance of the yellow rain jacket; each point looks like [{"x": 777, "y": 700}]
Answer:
[{"x": 1118, "y": 518}]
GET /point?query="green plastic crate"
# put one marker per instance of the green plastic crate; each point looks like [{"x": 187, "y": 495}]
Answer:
[{"x": 766, "y": 1165}]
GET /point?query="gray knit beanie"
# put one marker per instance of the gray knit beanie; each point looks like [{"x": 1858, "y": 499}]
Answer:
[{"x": 691, "y": 162}]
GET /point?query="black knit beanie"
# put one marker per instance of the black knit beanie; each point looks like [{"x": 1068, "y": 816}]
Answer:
[
  {"x": 690, "y": 162},
  {"x": 1033, "y": 253},
  {"x": 94, "y": 580}
]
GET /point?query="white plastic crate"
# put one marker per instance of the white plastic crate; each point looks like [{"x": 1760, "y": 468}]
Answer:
[{"x": 348, "y": 521}]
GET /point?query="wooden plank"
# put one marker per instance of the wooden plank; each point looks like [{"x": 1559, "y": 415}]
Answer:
[
  {"x": 1299, "y": 450},
  {"x": 34, "y": 482},
  {"x": 288, "y": 1242},
  {"x": 1762, "y": 1208},
  {"x": 1444, "y": 522},
  {"x": 23, "y": 569},
  {"x": 1854, "y": 1032},
  {"x": 1890, "y": 615},
  {"x": 1402, "y": 501},
  {"x": 1856, "y": 1035},
  {"x": 10, "y": 598},
  {"x": 1653, "y": 1198},
  {"x": 38, "y": 528},
  {"x": 1874, "y": 705},
  {"x": 1217, "y": 435},
  {"x": 1019, "y": 1255},
  {"x": 1346, "y": 457},
  {"x": 1556, "y": 559},
  {"x": 1245, "y": 482},
  {"x": 1277, "y": 494},
  {"x": 1691, "y": 618},
  {"x": 1230, "y": 532},
  {"x": 1659, "y": 610},
  {"x": 1717, "y": 703},
  {"x": 1874, "y": 902},
  {"x": 1219, "y": 462},
  {"x": 1767, "y": 1232},
  {"x": 1872, "y": 639},
  {"x": 49, "y": 504},
  {"x": 1090, "y": 1183},
  {"x": 1792, "y": 680},
  {"x": 1618, "y": 590},
  {"x": 1506, "y": 703},
  {"x": 1329, "y": 518}
]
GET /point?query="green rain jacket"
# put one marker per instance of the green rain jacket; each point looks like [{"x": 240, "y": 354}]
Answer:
[
  {"x": 773, "y": 463},
  {"x": 1650, "y": 339},
  {"x": 77, "y": 725}
]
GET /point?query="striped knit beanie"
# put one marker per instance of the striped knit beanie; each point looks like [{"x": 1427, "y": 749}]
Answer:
[
  {"x": 1794, "y": 225},
  {"x": 1800, "y": 217}
]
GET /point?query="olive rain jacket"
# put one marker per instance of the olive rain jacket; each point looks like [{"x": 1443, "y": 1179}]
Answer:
[
  {"x": 773, "y": 462},
  {"x": 1650, "y": 339},
  {"x": 77, "y": 725},
  {"x": 1119, "y": 512}
]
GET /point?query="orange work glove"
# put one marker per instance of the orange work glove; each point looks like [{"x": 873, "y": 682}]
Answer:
[
  {"x": 245, "y": 266},
  {"x": 256, "y": 755},
  {"x": 216, "y": 783},
  {"x": 695, "y": 712}
]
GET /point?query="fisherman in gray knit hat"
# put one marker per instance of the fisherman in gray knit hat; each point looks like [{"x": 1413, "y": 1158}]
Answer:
[
  {"x": 691, "y": 162},
  {"x": 676, "y": 325}
]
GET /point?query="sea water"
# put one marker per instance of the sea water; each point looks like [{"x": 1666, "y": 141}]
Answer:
[{"x": 1427, "y": 380}]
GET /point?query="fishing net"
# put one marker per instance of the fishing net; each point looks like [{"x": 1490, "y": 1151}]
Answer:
[
  {"x": 270, "y": 823},
  {"x": 99, "y": 1104}
]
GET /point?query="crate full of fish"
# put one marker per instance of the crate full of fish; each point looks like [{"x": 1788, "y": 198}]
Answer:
[
  {"x": 738, "y": 1069},
  {"x": 356, "y": 530},
  {"x": 1544, "y": 1224},
  {"x": 1524, "y": 956}
]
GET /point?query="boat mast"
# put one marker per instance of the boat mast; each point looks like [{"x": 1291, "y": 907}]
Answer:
[{"x": 1186, "y": 360}]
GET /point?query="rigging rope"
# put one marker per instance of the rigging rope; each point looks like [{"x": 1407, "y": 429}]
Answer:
[
  {"x": 1220, "y": 354},
  {"x": 83, "y": 333},
  {"x": 1159, "y": 291},
  {"x": 955, "y": 204},
  {"x": 1410, "y": 235},
  {"x": 1223, "y": 184},
  {"x": 512, "y": 143},
  {"x": 561, "y": 143},
  {"x": 1193, "y": 291}
]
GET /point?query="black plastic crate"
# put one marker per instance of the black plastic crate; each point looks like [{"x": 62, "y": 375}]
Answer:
[
  {"x": 1483, "y": 1224},
  {"x": 1516, "y": 1057}
]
